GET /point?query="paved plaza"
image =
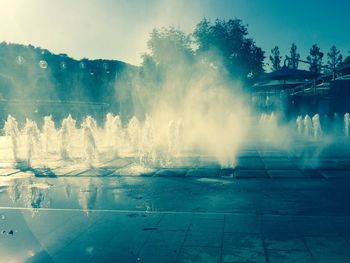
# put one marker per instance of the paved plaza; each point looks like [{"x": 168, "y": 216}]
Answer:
[{"x": 274, "y": 206}]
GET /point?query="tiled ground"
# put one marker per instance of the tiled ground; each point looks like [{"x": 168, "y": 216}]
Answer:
[
  {"x": 70, "y": 236},
  {"x": 250, "y": 163},
  {"x": 274, "y": 206}
]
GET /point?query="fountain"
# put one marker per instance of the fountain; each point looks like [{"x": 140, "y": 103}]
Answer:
[
  {"x": 307, "y": 125},
  {"x": 147, "y": 147},
  {"x": 64, "y": 138},
  {"x": 346, "y": 124},
  {"x": 316, "y": 126},
  {"x": 49, "y": 132},
  {"x": 90, "y": 149},
  {"x": 299, "y": 122},
  {"x": 133, "y": 131},
  {"x": 32, "y": 139},
  {"x": 147, "y": 143},
  {"x": 11, "y": 129},
  {"x": 117, "y": 135}
]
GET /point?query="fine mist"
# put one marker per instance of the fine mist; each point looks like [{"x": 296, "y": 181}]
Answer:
[{"x": 197, "y": 92}]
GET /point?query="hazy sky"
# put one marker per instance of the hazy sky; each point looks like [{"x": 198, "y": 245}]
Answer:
[{"x": 119, "y": 29}]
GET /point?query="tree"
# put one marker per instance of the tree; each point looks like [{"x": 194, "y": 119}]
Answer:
[
  {"x": 293, "y": 61},
  {"x": 275, "y": 58},
  {"x": 315, "y": 59},
  {"x": 169, "y": 46},
  {"x": 227, "y": 41},
  {"x": 334, "y": 58}
]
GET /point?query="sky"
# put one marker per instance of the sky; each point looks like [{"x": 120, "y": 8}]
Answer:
[{"x": 119, "y": 29}]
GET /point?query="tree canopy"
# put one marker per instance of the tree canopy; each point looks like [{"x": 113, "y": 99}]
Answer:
[
  {"x": 229, "y": 40},
  {"x": 315, "y": 59},
  {"x": 334, "y": 58},
  {"x": 275, "y": 58},
  {"x": 293, "y": 61},
  {"x": 222, "y": 43}
]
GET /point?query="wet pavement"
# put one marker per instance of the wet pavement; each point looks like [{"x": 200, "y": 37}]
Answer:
[{"x": 274, "y": 206}]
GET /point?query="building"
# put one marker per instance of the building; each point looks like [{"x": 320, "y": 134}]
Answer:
[{"x": 293, "y": 92}]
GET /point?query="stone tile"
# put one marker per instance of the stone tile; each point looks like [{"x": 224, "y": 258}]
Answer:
[
  {"x": 289, "y": 256},
  {"x": 117, "y": 163},
  {"x": 94, "y": 172},
  {"x": 310, "y": 225},
  {"x": 175, "y": 222},
  {"x": 336, "y": 174},
  {"x": 331, "y": 164},
  {"x": 279, "y": 163},
  {"x": 184, "y": 162},
  {"x": 15, "y": 246},
  {"x": 308, "y": 163},
  {"x": 115, "y": 254},
  {"x": 226, "y": 172},
  {"x": 203, "y": 172},
  {"x": 57, "y": 219},
  {"x": 199, "y": 254},
  {"x": 76, "y": 253},
  {"x": 129, "y": 239},
  {"x": 328, "y": 248},
  {"x": 176, "y": 172},
  {"x": 134, "y": 169},
  {"x": 276, "y": 226},
  {"x": 205, "y": 232},
  {"x": 166, "y": 239},
  {"x": 344, "y": 163},
  {"x": 250, "y": 163},
  {"x": 207, "y": 162},
  {"x": 42, "y": 256},
  {"x": 342, "y": 225},
  {"x": 312, "y": 173},
  {"x": 287, "y": 174},
  {"x": 231, "y": 255},
  {"x": 65, "y": 235},
  {"x": 202, "y": 223},
  {"x": 201, "y": 216},
  {"x": 93, "y": 238},
  {"x": 156, "y": 254},
  {"x": 246, "y": 174},
  {"x": 239, "y": 247},
  {"x": 208, "y": 238},
  {"x": 64, "y": 170},
  {"x": 242, "y": 224},
  {"x": 248, "y": 153},
  {"x": 243, "y": 241},
  {"x": 285, "y": 243},
  {"x": 271, "y": 153}
]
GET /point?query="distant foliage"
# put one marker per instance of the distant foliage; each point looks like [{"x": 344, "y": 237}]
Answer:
[
  {"x": 223, "y": 45},
  {"x": 315, "y": 59},
  {"x": 334, "y": 58},
  {"x": 294, "y": 57},
  {"x": 33, "y": 73},
  {"x": 165, "y": 44},
  {"x": 228, "y": 40},
  {"x": 346, "y": 61},
  {"x": 275, "y": 59}
]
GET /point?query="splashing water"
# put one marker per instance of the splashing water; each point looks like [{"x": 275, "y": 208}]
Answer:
[
  {"x": 307, "y": 125},
  {"x": 148, "y": 143},
  {"x": 11, "y": 129},
  {"x": 32, "y": 139},
  {"x": 49, "y": 132},
  {"x": 299, "y": 122},
  {"x": 89, "y": 130},
  {"x": 346, "y": 124},
  {"x": 316, "y": 126}
]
